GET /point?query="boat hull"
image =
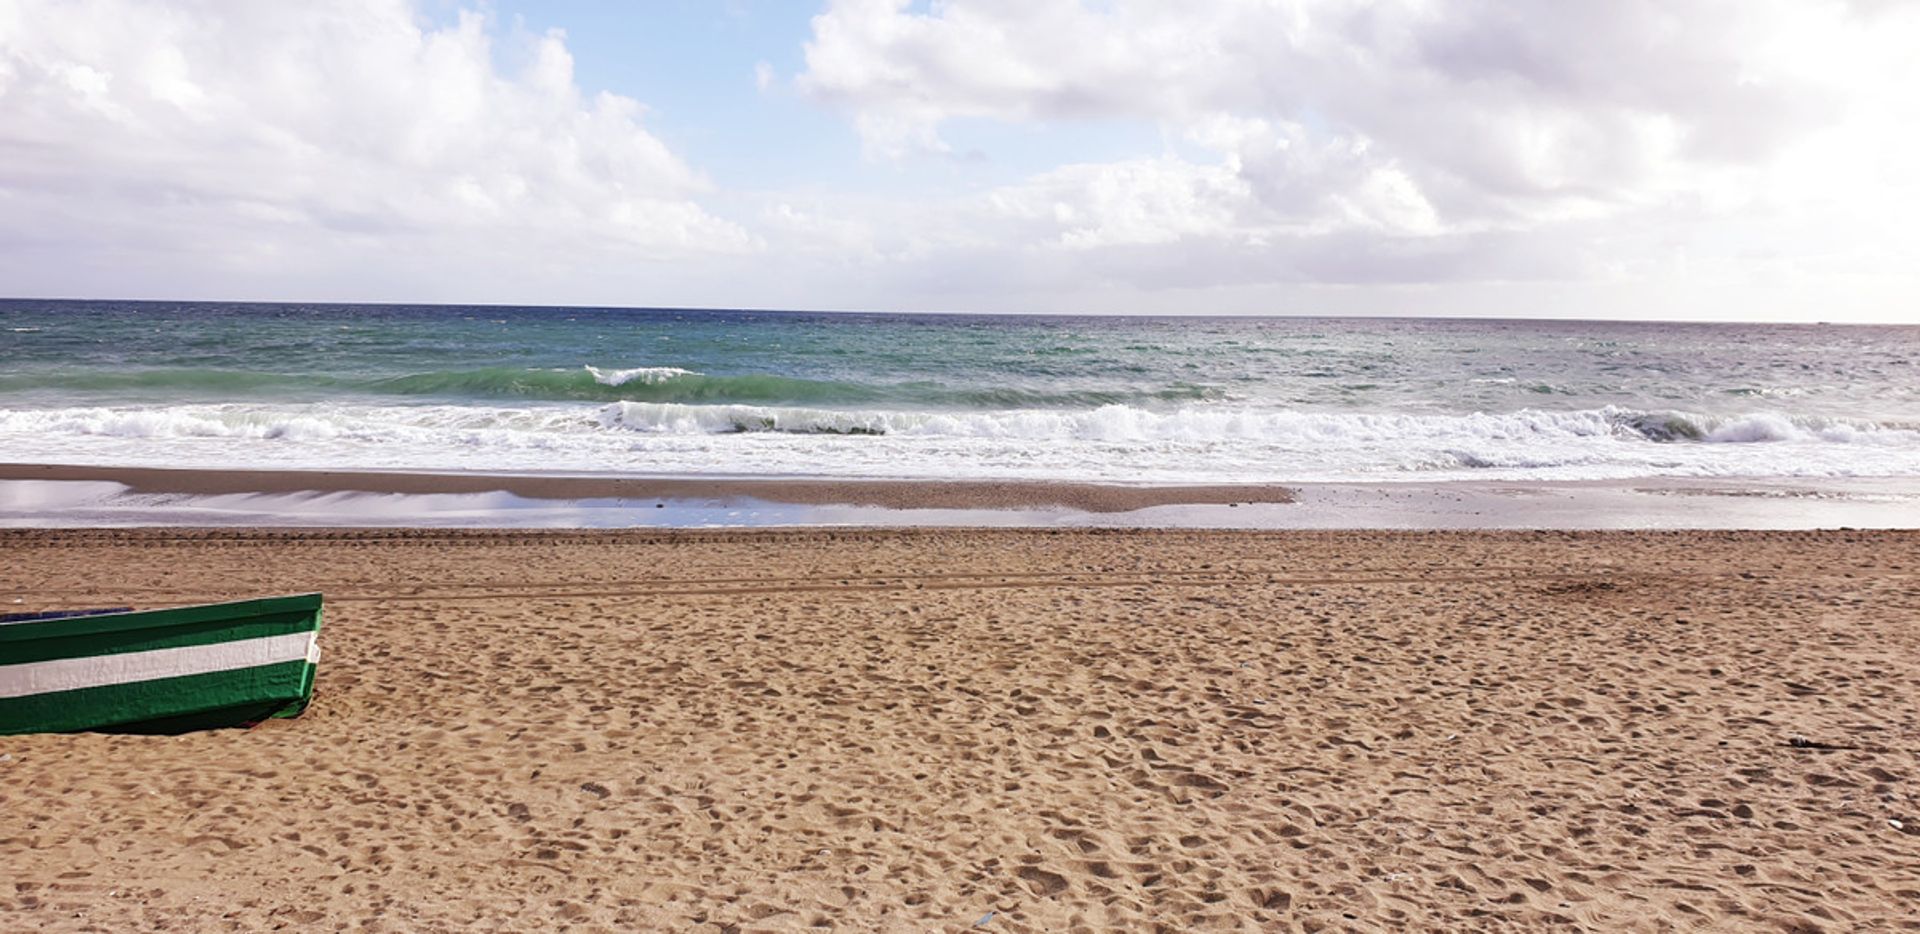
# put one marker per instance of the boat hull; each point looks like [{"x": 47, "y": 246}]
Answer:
[{"x": 160, "y": 671}]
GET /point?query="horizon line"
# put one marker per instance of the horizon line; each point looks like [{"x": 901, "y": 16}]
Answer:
[{"x": 851, "y": 312}]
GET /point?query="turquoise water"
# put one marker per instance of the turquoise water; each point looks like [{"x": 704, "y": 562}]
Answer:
[{"x": 758, "y": 393}]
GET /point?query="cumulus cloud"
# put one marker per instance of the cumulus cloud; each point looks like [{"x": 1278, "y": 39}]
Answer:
[
  {"x": 340, "y": 131},
  {"x": 1637, "y": 157},
  {"x": 1399, "y": 131},
  {"x": 1504, "y": 99}
]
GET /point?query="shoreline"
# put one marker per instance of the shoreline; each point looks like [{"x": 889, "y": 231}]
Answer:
[
  {"x": 885, "y": 494},
  {"x": 52, "y": 496}
]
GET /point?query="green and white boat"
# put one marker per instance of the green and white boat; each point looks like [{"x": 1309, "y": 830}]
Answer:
[{"x": 159, "y": 671}]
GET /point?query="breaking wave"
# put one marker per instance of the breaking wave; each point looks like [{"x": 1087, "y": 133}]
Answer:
[
  {"x": 645, "y": 376},
  {"x": 1116, "y": 423},
  {"x": 1112, "y": 442},
  {"x": 1123, "y": 423}
]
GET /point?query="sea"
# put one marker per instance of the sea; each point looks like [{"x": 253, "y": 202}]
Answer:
[{"x": 1166, "y": 400}]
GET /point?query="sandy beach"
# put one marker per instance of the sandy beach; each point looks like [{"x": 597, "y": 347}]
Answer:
[{"x": 1005, "y": 731}]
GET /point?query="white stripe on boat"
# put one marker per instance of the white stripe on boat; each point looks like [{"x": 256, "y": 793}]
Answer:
[{"x": 70, "y": 674}]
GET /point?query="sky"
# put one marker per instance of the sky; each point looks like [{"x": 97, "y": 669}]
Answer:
[{"x": 1675, "y": 159}]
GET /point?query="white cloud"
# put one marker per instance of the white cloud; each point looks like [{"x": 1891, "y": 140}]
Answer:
[
  {"x": 1503, "y": 98},
  {"x": 1140, "y": 202},
  {"x": 282, "y": 138},
  {"x": 1405, "y": 140},
  {"x": 1697, "y": 158}
]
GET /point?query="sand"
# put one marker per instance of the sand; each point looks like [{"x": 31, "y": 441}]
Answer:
[
  {"x": 889, "y": 494},
  {"x": 1023, "y": 730}
]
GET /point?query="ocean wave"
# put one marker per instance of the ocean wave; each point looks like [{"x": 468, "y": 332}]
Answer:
[
  {"x": 1112, "y": 442},
  {"x": 160, "y": 381},
  {"x": 645, "y": 375},
  {"x": 1112, "y": 423},
  {"x": 589, "y": 383},
  {"x": 1124, "y": 423}
]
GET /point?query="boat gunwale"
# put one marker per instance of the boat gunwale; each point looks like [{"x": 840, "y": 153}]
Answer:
[{"x": 108, "y": 623}]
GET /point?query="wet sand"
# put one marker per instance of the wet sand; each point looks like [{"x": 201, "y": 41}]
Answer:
[
  {"x": 1024, "y": 730},
  {"x": 889, "y": 494},
  {"x": 55, "y": 496}
]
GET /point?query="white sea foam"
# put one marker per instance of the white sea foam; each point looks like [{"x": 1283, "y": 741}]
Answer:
[
  {"x": 645, "y": 375},
  {"x": 1123, "y": 423},
  {"x": 1115, "y": 442},
  {"x": 54, "y": 495}
]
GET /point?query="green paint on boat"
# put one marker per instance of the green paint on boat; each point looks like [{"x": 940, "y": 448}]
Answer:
[{"x": 160, "y": 671}]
